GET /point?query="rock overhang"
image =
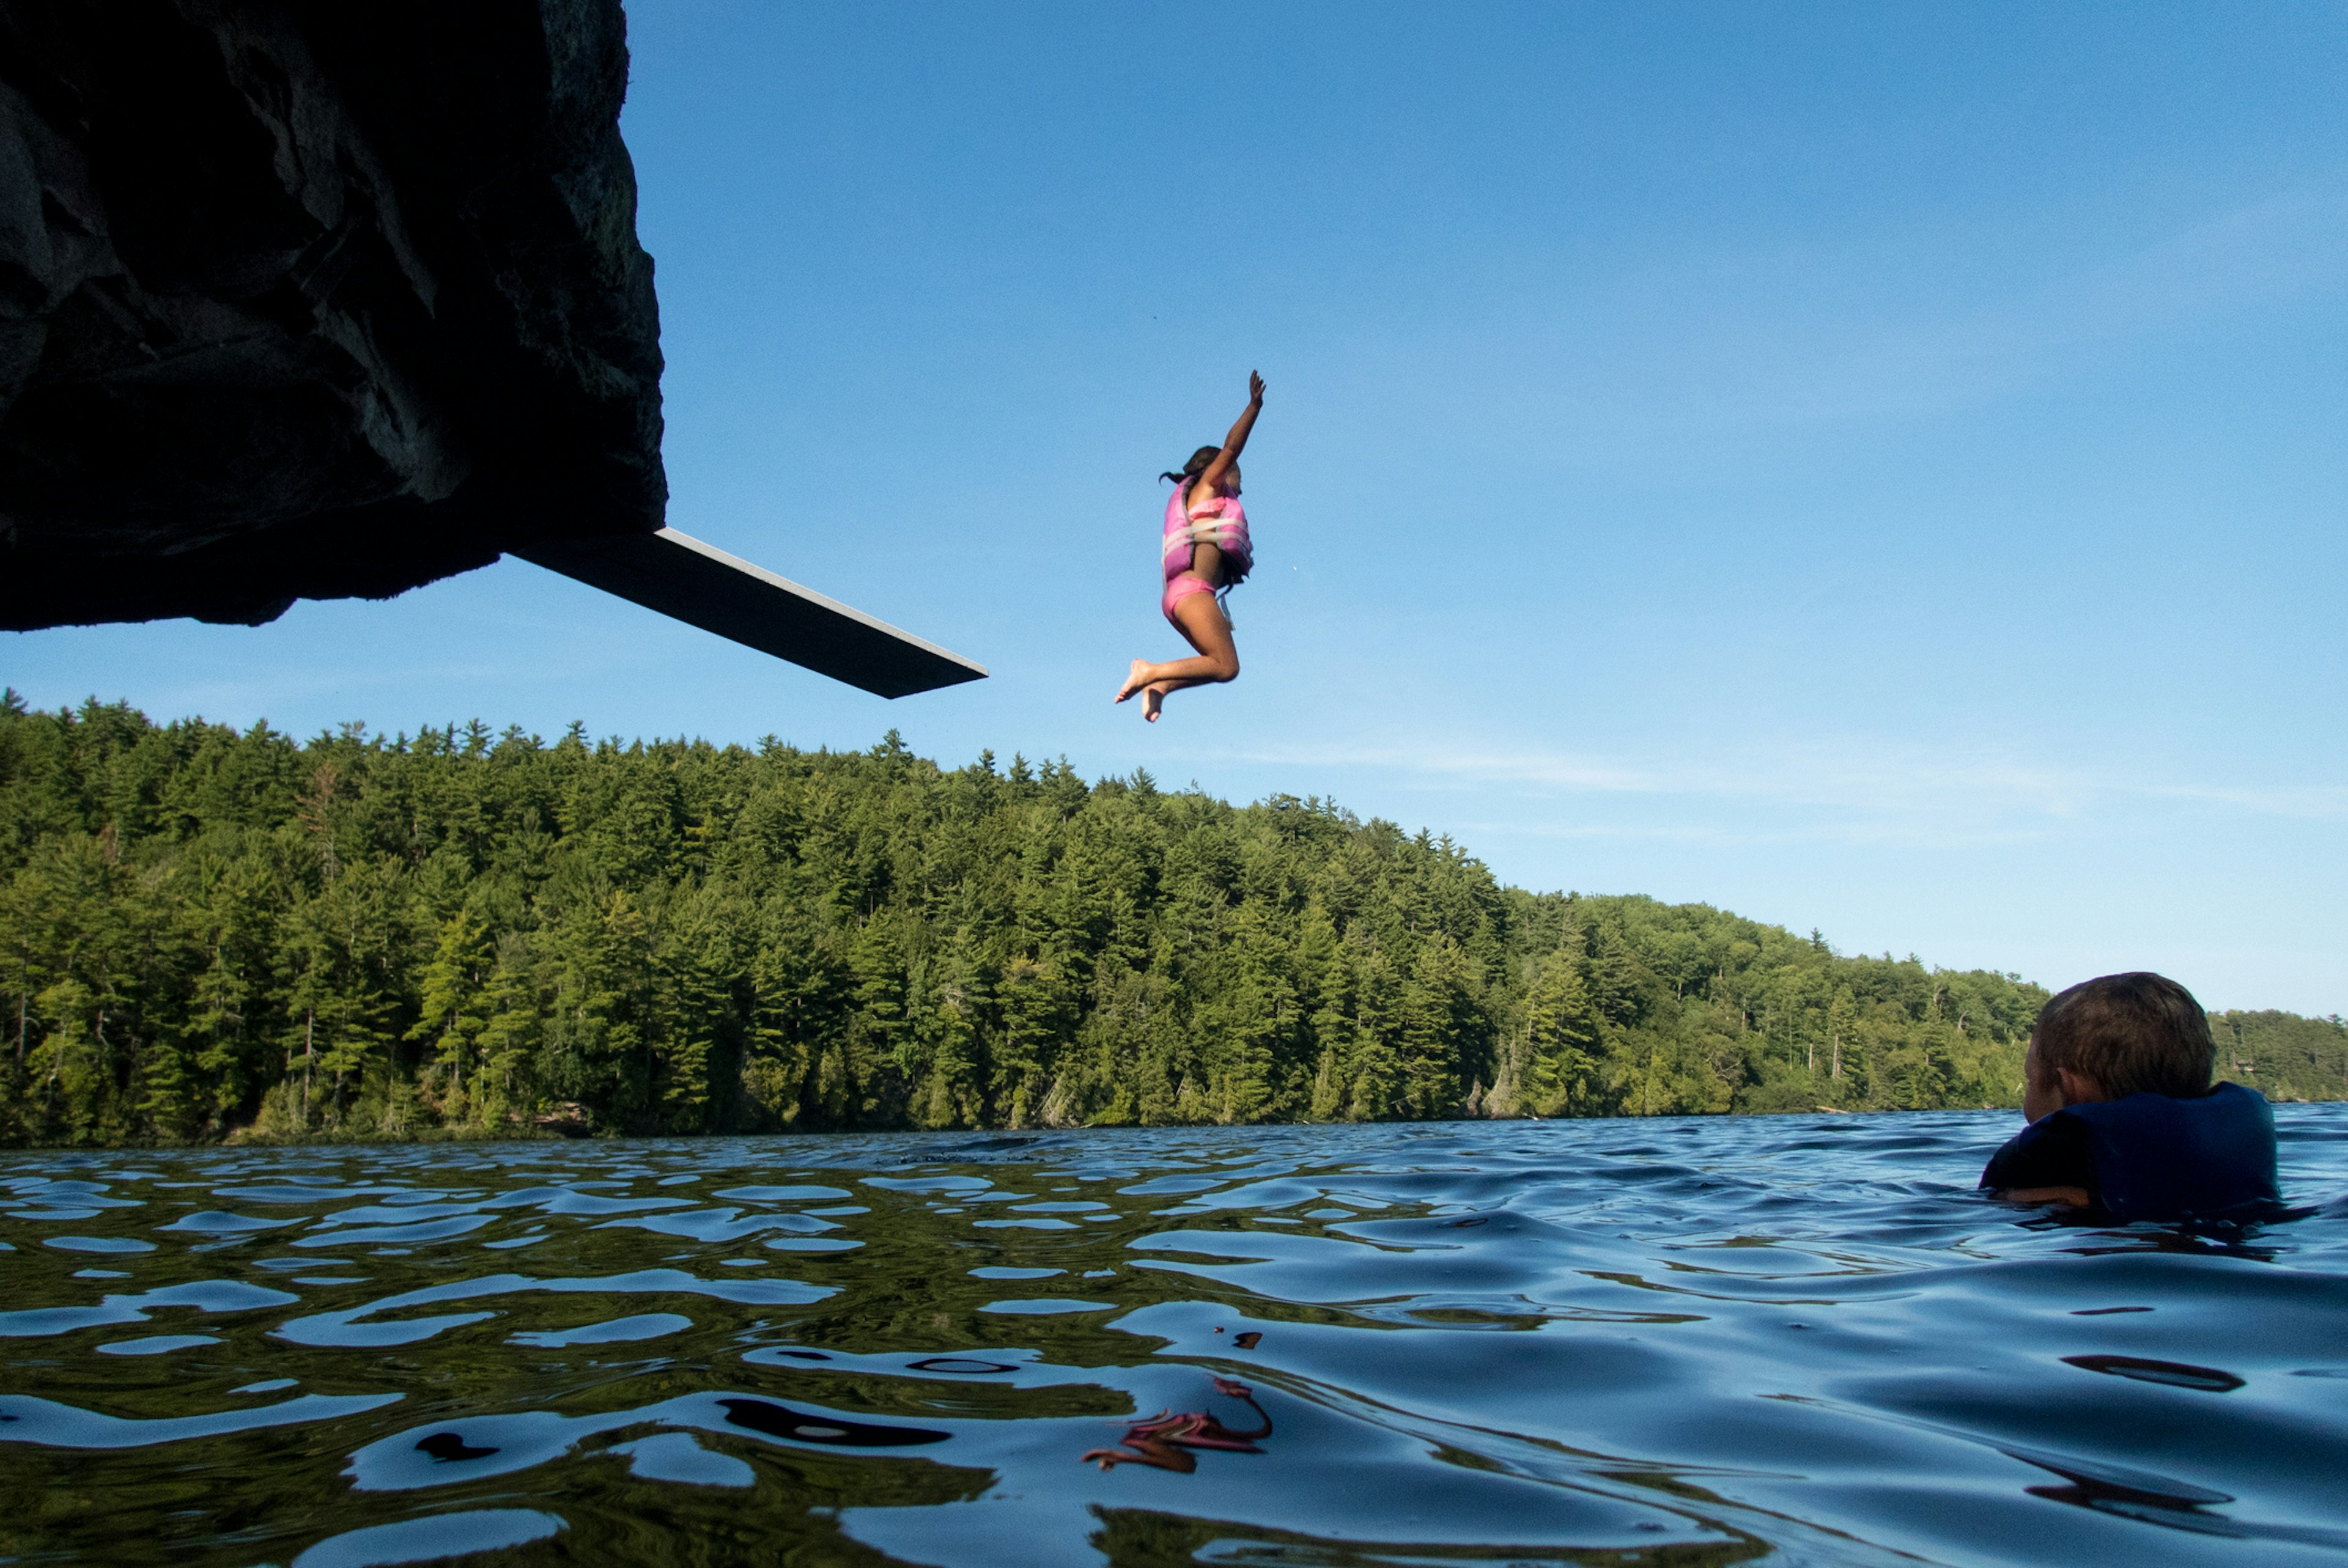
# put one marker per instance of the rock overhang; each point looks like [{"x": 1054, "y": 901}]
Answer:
[{"x": 305, "y": 301}]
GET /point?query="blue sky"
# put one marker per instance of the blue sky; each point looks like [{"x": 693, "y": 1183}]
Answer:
[{"x": 1878, "y": 469}]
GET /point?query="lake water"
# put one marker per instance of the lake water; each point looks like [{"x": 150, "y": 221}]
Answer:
[{"x": 1791, "y": 1339}]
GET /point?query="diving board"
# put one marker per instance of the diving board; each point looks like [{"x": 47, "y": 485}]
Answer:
[{"x": 683, "y": 578}]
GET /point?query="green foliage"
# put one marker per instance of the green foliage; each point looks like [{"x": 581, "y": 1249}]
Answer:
[
  {"x": 2282, "y": 1055},
  {"x": 203, "y": 932}
]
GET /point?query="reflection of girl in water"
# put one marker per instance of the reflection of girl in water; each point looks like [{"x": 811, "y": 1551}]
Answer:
[
  {"x": 1206, "y": 553},
  {"x": 1165, "y": 1439}
]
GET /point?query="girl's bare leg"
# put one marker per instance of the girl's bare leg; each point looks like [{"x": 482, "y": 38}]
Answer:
[
  {"x": 1215, "y": 650},
  {"x": 1200, "y": 622}
]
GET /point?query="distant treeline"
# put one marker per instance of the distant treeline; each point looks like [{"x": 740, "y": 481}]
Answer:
[{"x": 466, "y": 932}]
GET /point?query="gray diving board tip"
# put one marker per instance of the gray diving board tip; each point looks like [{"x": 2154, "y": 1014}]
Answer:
[{"x": 681, "y": 577}]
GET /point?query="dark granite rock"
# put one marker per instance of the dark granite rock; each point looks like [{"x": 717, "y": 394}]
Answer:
[{"x": 312, "y": 299}]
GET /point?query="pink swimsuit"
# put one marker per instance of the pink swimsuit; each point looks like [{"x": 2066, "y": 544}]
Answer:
[{"x": 1217, "y": 520}]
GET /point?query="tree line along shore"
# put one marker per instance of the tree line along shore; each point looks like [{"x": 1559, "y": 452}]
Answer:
[{"x": 210, "y": 933}]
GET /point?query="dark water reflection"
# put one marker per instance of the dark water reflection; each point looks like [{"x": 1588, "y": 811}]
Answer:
[{"x": 1698, "y": 1342}]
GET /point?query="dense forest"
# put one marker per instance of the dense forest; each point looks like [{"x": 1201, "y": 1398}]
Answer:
[{"x": 210, "y": 933}]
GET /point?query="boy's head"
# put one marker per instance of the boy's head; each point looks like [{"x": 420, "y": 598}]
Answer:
[{"x": 2119, "y": 1035}]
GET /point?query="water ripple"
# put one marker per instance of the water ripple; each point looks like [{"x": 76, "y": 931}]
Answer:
[{"x": 1672, "y": 1341}]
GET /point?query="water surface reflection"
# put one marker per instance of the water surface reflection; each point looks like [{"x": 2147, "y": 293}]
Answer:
[{"x": 1668, "y": 1342}]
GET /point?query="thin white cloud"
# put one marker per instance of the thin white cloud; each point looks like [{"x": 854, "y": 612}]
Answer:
[
  {"x": 1701, "y": 357},
  {"x": 1852, "y": 792},
  {"x": 2314, "y": 802}
]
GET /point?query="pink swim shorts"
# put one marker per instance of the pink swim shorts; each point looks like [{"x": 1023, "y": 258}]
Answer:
[{"x": 1179, "y": 588}]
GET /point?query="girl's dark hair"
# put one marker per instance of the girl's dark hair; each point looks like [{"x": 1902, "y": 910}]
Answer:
[{"x": 1195, "y": 466}]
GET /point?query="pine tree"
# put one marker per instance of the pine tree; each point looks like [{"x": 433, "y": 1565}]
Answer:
[
  {"x": 1841, "y": 1017},
  {"x": 453, "y": 1013},
  {"x": 1560, "y": 1025}
]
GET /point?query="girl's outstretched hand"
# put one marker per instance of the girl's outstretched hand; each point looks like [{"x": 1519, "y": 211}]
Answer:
[{"x": 1255, "y": 388}]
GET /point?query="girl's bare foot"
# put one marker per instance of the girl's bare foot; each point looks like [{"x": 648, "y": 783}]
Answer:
[
  {"x": 1153, "y": 697},
  {"x": 1135, "y": 680}
]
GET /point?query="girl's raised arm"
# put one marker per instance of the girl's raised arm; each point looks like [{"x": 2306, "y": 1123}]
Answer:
[{"x": 1236, "y": 442}]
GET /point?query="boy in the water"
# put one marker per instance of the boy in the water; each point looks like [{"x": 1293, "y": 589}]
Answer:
[{"x": 2123, "y": 1117}]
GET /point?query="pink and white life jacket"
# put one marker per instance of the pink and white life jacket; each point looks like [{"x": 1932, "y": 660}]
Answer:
[{"x": 1216, "y": 521}]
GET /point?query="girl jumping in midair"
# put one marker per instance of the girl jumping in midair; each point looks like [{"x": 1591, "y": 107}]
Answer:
[{"x": 1206, "y": 553}]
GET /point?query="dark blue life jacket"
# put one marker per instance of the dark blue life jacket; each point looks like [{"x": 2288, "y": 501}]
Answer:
[{"x": 2150, "y": 1156}]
